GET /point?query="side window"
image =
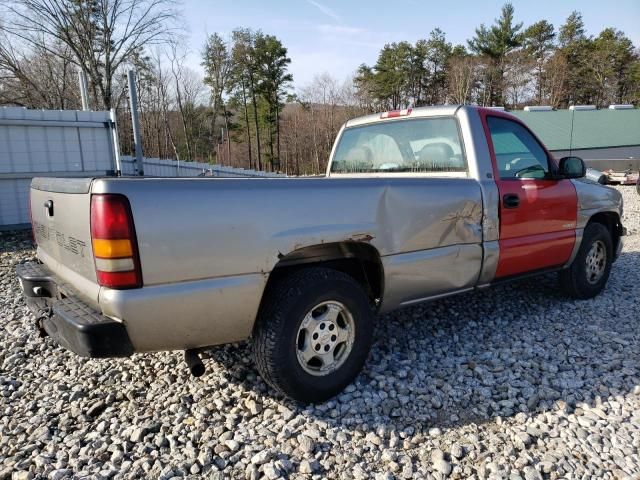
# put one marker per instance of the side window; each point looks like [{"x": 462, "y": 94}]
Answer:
[{"x": 518, "y": 153}]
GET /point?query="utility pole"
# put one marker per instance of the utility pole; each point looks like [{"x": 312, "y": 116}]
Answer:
[{"x": 135, "y": 123}]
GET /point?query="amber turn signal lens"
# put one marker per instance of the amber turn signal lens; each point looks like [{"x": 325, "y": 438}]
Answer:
[{"x": 103, "y": 248}]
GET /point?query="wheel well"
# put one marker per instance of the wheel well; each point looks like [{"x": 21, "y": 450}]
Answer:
[
  {"x": 357, "y": 259},
  {"x": 611, "y": 221}
]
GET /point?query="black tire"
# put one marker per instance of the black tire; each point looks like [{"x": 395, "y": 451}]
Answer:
[
  {"x": 575, "y": 279},
  {"x": 275, "y": 339}
]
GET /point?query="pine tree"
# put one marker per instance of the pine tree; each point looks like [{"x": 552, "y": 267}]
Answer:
[
  {"x": 496, "y": 43},
  {"x": 272, "y": 63},
  {"x": 438, "y": 53},
  {"x": 576, "y": 48},
  {"x": 538, "y": 42},
  {"x": 217, "y": 63}
]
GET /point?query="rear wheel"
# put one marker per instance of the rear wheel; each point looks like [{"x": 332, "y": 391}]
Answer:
[
  {"x": 313, "y": 334},
  {"x": 588, "y": 274}
]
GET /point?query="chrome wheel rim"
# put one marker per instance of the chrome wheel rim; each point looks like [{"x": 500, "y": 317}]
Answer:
[
  {"x": 325, "y": 338},
  {"x": 596, "y": 262}
]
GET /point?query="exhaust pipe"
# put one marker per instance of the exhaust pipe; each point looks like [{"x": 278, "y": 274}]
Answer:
[{"x": 196, "y": 367}]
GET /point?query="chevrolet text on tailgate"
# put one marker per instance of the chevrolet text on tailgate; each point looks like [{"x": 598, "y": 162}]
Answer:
[{"x": 416, "y": 204}]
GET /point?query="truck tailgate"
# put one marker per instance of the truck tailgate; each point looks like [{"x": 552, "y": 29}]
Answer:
[{"x": 60, "y": 213}]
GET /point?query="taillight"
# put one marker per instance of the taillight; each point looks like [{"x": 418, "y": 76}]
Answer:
[
  {"x": 396, "y": 113},
  {"x": 113, "y": 238}
]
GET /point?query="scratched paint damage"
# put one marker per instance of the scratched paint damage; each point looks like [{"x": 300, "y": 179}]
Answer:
[
  {"x": 465, "y": 223},
  {"x": 360, "y": 237}
]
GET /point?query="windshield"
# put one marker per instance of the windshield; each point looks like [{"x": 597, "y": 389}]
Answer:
[{"x": 420, "y": 145}]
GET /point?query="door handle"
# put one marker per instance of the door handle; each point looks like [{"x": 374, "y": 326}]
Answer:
[{"x": 510, "y": 200}]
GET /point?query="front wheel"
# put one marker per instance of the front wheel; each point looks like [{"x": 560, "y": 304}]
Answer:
[
  {"x": 313, "y": 334},
  {"x": 588, "y": 274}
]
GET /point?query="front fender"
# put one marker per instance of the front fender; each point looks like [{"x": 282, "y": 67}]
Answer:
[{"x": 594, "y": 198}]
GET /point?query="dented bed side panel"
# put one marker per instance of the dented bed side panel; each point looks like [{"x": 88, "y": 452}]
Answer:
[{"x": 191, "y": 229}]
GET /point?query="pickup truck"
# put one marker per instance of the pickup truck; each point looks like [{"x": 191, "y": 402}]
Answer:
[{"x": 416, "y": 204}]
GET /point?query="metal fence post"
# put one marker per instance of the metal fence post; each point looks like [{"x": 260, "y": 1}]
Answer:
[
  {"x": 135, "y": 122},
  {"x": 116, "y": 142},
  {"x": 84, "y": 89}
]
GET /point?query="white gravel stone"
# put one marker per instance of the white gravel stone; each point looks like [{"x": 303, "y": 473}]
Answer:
[
  {"x": 457, "y": 451},
  {"x": 261, "y": 458},
  {"x": 308, "y": 467},
  {"x": 22, "y": 475},
  {"x": 271, "y": 471}
]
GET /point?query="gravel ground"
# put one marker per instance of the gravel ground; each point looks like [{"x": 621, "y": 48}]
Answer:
[{"x": 514, "y": 382}]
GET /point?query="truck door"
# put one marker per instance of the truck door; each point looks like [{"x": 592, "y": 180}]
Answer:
[{"x": 537, "y": 215}]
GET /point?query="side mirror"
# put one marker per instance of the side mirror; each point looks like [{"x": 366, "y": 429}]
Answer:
[{"x": 572, "y": 167}]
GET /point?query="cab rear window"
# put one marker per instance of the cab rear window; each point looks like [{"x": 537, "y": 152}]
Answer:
[{"x": 417, "y": 145}]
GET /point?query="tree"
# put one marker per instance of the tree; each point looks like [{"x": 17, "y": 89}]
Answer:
[
  {"x": 438, "y": 53},
  {"x": 321, "y": 99},
  {"x": 496, "y": 43},
  {"x": 556, "y": 72},
  {"x": 612, "y": 60},
  {"x": 188, "y": 88},
  {"x": 392, "y": 77},
  {"x": 364, "y": 83},
  {"x": 572, "y": 31},
  {"x": 35, "y": 78},
  {"x": 418, "y": 75},
  {"x": 518, "y": 77},
  {"x": 100, "y": 35},
  {"x": 245, "y": 70},
  {"x": 461, "y": 75},
  {"x": 272, "y": 62},
  {"x": 217, "y": 62},
  {"x": 631, "y": 83},
  {"x": 538, "y": 42},
  {"x": 575, "y": 48}
]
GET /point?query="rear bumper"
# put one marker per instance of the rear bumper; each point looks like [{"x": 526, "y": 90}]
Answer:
[{"x": 72, "y": 323}]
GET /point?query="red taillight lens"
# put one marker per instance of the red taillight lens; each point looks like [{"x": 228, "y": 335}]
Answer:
[
  {"x": 113, "y": 238},
  {"x": 110, "y": 217},
  {"x": 118, "y": 280}
]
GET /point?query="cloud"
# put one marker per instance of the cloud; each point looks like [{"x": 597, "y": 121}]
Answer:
[
  {"x": 340, "y": 30},
  {"x": 326, "y": 10},
  {"x": 345, "y": 36}
]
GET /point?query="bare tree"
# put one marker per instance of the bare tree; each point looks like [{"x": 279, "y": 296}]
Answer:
[
  {"x": 312, "y": 125},
  {"x": 32, "y": 77},
  {"x": 189, "y": 91},
  {"x": 162, "y": 84},
  {"x": 556, "y": 75},
  {"x": 101, "y": 35},
  {"x": 462, "y": 75},
  {"x": 518, "y": 77}
]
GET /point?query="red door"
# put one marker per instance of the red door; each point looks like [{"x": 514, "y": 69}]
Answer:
[{"x": 537, "y": 215}]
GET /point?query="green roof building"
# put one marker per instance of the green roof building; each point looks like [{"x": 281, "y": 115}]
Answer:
[{"x": 606, "y": 139}]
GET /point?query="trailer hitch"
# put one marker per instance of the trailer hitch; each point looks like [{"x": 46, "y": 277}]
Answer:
[{"x": 194, "y": 362}]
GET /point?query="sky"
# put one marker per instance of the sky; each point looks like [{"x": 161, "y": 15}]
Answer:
[{"x": 336, "y": 36}]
